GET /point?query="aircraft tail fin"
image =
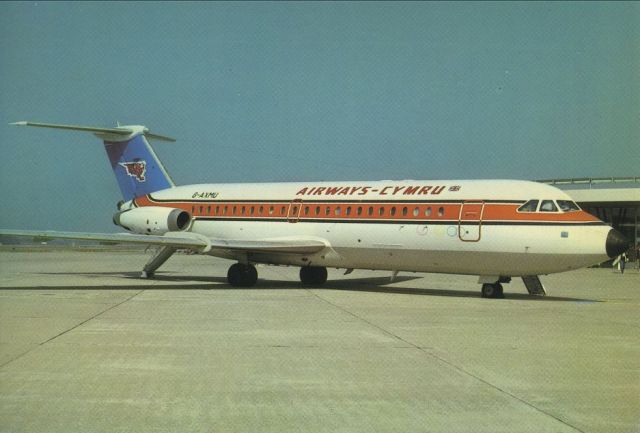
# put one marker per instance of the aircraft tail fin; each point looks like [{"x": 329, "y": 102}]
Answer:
[{"x": 135, "y": 164}]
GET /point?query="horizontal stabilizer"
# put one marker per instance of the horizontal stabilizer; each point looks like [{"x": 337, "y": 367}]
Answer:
[
  {"x": 159, "y": 137},
  {"x": 117, "y": 131}
]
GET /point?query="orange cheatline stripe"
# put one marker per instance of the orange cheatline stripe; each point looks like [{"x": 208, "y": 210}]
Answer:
[{"x": 360, "y": 210}]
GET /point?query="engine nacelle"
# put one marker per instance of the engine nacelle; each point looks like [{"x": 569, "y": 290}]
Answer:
[{"x": 154, "y": 220}]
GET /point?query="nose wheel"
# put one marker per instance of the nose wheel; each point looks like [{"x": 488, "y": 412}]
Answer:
[
  {"x": 242, "y": 275},
  {"x": 492, "y": 290}
]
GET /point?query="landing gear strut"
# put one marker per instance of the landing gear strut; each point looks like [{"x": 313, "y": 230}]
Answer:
[
  {"x": 313, "y": 275},
  {"x": 242, "y": 275},
  {"x": 158, "y": 259},
  {"x": 492, "y": 290}
]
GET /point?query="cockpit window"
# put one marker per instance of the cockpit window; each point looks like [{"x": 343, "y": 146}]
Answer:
[
  {"x": 567, "y": 205},
  {"x": 548, "y": 206},
  {"x": 529, "y": 206}
]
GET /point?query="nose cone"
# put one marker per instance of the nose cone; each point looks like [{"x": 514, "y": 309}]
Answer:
[{"x": 616, "y": 243}]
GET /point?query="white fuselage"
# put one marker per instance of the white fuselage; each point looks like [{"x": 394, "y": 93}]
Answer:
[{"x": 462, "y": 227}]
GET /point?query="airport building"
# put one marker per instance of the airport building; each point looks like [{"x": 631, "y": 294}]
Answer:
[{"x": 615, "y": 200}]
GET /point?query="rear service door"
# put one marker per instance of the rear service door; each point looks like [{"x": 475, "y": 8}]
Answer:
[{"x": 470, "y": 221}]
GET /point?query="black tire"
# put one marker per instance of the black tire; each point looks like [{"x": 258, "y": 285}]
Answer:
[
  {"x": 234, "y": 275},
  {"x": 241, "y": 275},
  {"x": 313, "y": 275},
  {"x": 251, "y": 276},
  {"x": 492, "y": 291}
]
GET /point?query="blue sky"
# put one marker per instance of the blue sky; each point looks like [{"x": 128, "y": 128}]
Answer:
[{"x": 264, "y": 92}]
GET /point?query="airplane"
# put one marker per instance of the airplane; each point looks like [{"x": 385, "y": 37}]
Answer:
[{"x": 495, "y": 229}]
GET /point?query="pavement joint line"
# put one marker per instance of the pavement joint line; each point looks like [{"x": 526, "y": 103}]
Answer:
[
  {"x": 71, "y": 329},
  {"x": 448, "y": 363}
]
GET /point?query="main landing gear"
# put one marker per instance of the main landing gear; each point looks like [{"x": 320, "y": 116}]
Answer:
[
  {"x": 492, "y": 286},
  {"x": 246, "y": 275},
  {"x": 492, "y": 290},
  {"x": 242, "y": 275},
  {"x": 313, "y": 275}
]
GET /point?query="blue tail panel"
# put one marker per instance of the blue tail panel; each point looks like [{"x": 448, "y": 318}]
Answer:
[{"x": 137, "y": 168}]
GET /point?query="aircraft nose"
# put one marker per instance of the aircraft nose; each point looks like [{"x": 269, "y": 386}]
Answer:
[{"x": 616, "y": 243}]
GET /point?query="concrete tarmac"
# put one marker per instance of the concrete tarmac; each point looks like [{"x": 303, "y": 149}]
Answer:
[{"x": 86, "y": 346}]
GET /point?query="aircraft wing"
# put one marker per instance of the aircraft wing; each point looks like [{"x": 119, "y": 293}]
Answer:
[
  {"x": 186, "y": 240},
  {"x": 287, "y": 246},
  {"x": 116, "y": 238}
]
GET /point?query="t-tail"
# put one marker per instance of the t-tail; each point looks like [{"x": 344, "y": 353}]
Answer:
[{"x": 136, "y": 166}]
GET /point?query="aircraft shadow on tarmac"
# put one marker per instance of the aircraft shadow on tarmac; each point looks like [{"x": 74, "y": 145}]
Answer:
[{"x": 370, "y": 285}]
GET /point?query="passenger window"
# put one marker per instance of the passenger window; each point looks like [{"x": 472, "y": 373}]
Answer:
[
  {"x": 548, "y": 206},
  {"x": 201, "y": 207},
  {"x": 381, "y": 211},
  {"x": 209, "y": 209},
  {"x": 283, "y": 210},
  {"x": 393, "y": 211},
  {"x": 261, "y": 210},
  {"x": 567, "y": 206},
  {"x": 416, "y": 211},
  {"x": 370, "y": 211},
  {"x": 243, "y": 210},
  {"x": 427, "y": 212},
  {"x": 271, "y": 210},
  {"x": 348, "y": 212},
  {"x": 306, "y": 210},
  {"x": 359, "y": 210},
  {"x": 234, "y": 210},
  {"x": 338, "y": 211},
  {"x": 404, "y": 211},
  {"x": 327, "y": 211},
  {"x": 317, "y": 210},
  {"x": 440, "y": 211},
  {"x": 529, "y": 206},
  {"x": 224, "y": 211}
]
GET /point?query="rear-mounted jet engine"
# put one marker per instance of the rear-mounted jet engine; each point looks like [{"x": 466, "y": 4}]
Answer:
[{"x": 153, "y": 220}]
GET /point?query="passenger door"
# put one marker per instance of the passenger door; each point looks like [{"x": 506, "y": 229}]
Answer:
[
  {"x": 470, "y": 221},
  {"x": 295, "y": 207}
]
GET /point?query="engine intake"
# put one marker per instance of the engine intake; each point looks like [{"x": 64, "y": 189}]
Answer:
[{"x": 155, "y": 220}]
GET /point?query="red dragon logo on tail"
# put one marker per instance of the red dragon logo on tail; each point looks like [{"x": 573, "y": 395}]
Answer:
[{"x": 136, "y": 168}]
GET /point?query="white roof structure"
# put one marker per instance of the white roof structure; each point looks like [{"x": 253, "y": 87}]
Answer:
[{"x": 605, "y": 191}]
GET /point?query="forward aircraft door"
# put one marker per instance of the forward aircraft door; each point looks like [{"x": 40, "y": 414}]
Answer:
[{"x": 470, "y": 221}]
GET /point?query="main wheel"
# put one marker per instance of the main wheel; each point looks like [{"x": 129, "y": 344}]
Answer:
[
  {"x": 314, "y": 275},
  {"x": 492, "y": 290},
  {"x": 241, "y": 275}
]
